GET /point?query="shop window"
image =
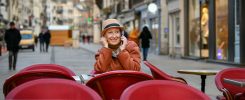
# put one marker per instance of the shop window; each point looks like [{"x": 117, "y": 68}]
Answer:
[
  {"x": 194, "y": 28},
  {"x": 204, "y": 30},
  {"x": 221, "y": 20}
]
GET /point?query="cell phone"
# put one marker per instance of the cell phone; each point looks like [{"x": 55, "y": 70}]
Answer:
[{"x": 122, "y": 35}]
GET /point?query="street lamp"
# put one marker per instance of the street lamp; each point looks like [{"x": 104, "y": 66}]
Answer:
[{"x": 152, "y": 7}]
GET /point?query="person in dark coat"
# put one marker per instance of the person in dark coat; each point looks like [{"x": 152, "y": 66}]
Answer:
[
  {"x": 145, "y": 37},
  {"x": 35, "y": 40},
  {"x": 47, "y": 37},
  {"x": 41, "y": 40},
  {"x": 12, "y": 38}
]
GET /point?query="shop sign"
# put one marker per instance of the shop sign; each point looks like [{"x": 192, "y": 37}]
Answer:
[{"x": 166, "y": 30}]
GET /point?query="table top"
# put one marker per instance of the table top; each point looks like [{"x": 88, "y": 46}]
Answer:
[
  {"x": 236, "y": 82},
  {"x": 199, "y": 71}
]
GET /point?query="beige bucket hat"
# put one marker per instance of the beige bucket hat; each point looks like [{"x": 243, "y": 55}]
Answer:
[{"x": 110, "y": 23}]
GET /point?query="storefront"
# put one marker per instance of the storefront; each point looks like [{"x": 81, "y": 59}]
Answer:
[
  {"x": 213, "y": 30},
  {"x": 198, "y": 30}
]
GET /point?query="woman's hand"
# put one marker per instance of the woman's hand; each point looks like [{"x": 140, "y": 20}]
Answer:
[
  {"x": 124, "y": 43},
  {"x": 104, "y": 42}
]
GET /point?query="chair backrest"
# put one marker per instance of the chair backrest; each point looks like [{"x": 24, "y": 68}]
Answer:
[
  {"x": 110, "y": 85},
  {"x": 30, "y": 75},
  {"x": 162, "y": 90},
  {"x": 49, "y": 66},
  {"x": 52, "y": 89},
  {"x": 160, "y": 75},
  {"x": 228, "y": 89}
]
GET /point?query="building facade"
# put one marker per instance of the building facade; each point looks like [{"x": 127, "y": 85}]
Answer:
[
  {"x": 214, "y": 31},
  {"x": 196, "y": 29},
  {"x": 96, "y": 23},
  {"x": 175, "y": 11}
]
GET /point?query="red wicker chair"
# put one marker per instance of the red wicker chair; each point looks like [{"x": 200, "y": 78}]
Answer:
[
  {"x": 230, "y": 92},
  {"x": 52, "y": 89},
  {"x": 162, "y": 90},
  {"x": 26, "y": 76},
  {"x": 50, "y": 66},
  {"x": 110, "y": 85}
]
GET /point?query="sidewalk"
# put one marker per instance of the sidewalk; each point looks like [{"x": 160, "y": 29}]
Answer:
[{"x": 172, "y": 65}]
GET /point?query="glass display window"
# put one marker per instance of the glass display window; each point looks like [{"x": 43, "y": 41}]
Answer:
[
  {"x": 194, "y": 28},
  {"x": 221, "y": 29}
]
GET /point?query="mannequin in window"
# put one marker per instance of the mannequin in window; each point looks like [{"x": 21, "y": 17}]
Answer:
[{"x": 204, "y": 23}]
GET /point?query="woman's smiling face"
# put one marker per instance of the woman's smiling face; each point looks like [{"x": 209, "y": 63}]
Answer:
[{"x": 113, "y": 36}]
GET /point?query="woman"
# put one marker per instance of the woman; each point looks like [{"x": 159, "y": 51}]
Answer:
[
  {"x": 145, "y": 37},
  {"x": 117, "y": 52}
]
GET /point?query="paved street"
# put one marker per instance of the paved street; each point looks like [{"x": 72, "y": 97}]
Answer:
[{"x": 81, "y": 60}]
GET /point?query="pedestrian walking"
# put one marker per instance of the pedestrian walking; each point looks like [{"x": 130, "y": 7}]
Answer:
[
  {"x": 117, "y": 52},
  {"x": 35, "y": 40},
  {"x": 12, "y": 39},
  {"x": 47, "y": 37},
  {"x": 41, "y": 40},
  {"x": 145, "y": 37},
  {"x": 88, "y": 36},
  {"x": 83, "y": 36}
]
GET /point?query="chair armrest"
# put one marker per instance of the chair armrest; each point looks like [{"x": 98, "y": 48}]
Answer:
[{"x": 227, "y": 94}]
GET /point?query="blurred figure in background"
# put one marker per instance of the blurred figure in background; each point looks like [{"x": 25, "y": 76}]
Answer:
[
  {"x": 145, "y": 37},
  {"x": 35, "y": 40},
  {"x": 133, "y": 35},
  {"x": 41, "y": 40},
  {"x": 47, "y": 37},
  {"x": 83, "y": 37},
  {"x": 12, "y": 38}
]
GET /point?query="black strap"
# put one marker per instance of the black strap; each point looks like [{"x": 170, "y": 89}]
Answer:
[{"x": 112, "y": 24}]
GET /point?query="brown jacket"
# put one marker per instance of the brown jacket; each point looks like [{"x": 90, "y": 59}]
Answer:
[{"x": 128, "y": 59}]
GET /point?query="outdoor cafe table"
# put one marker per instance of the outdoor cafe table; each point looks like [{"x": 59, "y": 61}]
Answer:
[
  {"x": 202, "y": 72},
  {"x": 236, "y": 82}
]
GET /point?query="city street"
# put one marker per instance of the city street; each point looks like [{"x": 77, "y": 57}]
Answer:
[
  {"x": 81, "y": 60},
  {"x": 179, "y": 36}
]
